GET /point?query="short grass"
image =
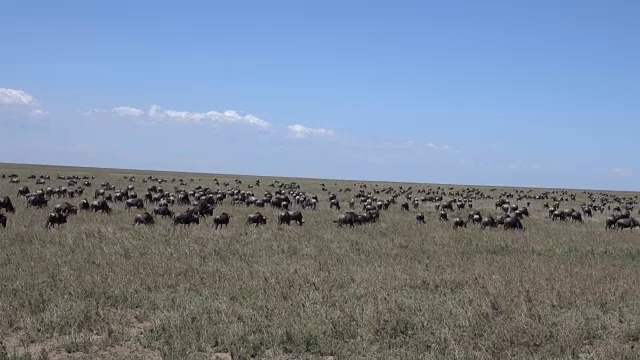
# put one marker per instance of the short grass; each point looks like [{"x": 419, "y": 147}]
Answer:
[{"x": 98, "y": 287}]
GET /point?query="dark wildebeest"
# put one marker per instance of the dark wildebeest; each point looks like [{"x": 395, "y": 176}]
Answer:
[
  {"x": 136, "y": 203},
  {"x": 349, "y": 218},
  {"x": 513, "y": 223},
  {"x": 23, "y": 191},
  {"x": 404, "y": 206},
  {"x": 257, "y": 219},
  {"x": 576, "y": 216},
  {"x": 65, "y": 208},
  {"x": 3, "y": 220},
  {"x": 164, "y": 211},
  {"x": 287, "y": 217},
  {"x": 420, "y": 218},
  {"x": 489, "y": 221},
  {"x": 186, "y": 218},
  {"x": 201, "y": 209},
  {"x": 55, "y": 218},
  {"x": 144, "y": 219},
  {"x": 38, "y": 201},
  {"x": 5, "y": 203},
  {"x": 84, "y": 204},
  {"x": 457, "y": 222},
  {"x": 334, "y": 204},
  {"x": 100, "y": 205},
  {"x": 443, "y": 216},
  {"x": 222, "y": 219},
  {"x": 628, "y": 223}
]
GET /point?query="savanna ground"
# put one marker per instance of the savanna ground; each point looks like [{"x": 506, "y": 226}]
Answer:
[{"x": 98, "y": 287}]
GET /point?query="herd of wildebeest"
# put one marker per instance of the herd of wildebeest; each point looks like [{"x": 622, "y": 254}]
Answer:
[{"x": 289, "y": 200}]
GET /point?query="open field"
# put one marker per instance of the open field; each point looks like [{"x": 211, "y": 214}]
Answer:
[{"x": 98, "y": 287}]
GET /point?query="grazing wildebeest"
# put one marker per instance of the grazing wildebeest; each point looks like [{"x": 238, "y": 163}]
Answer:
[
  {"x": 163, "y": 211},
  {"x": 23, "y": 191},
  {"x": 287, "y": 217},
  {"x": 349, "y": 218},
  {"x": 38, "y": 201},
  {"x": 55, "y": 218},
  {"x": 100, "y": 205},
  {"x": 84, "y": 204},
  {"x": 257, "y": 219},
  {"x": 66, "y": 208},
  {"x": 144, "y": 219},
  {"x": 610, "y": 222},
  {"x": 334, "y": 203},
  {"x": 404, "y": 206},
  {"x": 576, "y": 216},
  {"x": 420, "y": 218},
  {"x": 513, "y": 223},
  {"x": 186, "y": 218},
  {"x": 5, "y": 203},
  {"x": 222, "y": 219},
  {"x": 489, "y": 221},
  {"x": 137, "y": 203},
  {"x": 201, "y": 209},
  {"x": 443, "y": 216},
  {"x": 3, "y": 220},
  {"x": 628, "y": 223},
  {"x": 457, "y": 222}
]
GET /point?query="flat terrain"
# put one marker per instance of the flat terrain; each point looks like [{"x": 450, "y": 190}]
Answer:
[{"x": 98, "y": 287}]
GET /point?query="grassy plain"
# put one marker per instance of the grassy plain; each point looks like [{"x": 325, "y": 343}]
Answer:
[{"x": 98, "y": 287}]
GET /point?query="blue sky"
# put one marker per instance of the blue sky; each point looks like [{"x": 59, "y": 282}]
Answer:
[{"x": 529, "y": 93}]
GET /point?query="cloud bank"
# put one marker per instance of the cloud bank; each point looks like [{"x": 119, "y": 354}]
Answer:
[
  {"x": 157, "y": 113},
  {"x": 20, "y": 103},
  {"x": 300, "y": 132}
]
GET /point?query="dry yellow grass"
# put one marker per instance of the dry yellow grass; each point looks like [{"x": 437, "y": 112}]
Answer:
[{"x": 98, "y": 287}]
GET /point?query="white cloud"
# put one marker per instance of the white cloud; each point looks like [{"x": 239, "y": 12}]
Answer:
[
  {"x": 157, "y": 113},
  {"x": 621, "y": 172},
  {"x": 127, "y": 111},
  {"x": 20, "y": 104},
  {"x": 301, "y": 132},
  {"x": 229, "y": 116},
  {"x": 439, "y": 147},
  {"x": 16, "y": 97}
]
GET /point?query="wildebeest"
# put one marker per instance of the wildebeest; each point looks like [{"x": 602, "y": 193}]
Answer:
[
  {"x": 443, "y": 216},
  {"x": 334, "y": 203},
  {"x": 3, "y": 220},
  {"x": 5, "y": 203},
  {"x": 513, "y": 222},
  {"x": 488, "y": 221},
  {"x": 66, "y": 208},
  {"x": 164, "y": 211},
  {"x": 349, "y": 218},
  {"x": 38, "y": 201},
  {"x": 144, "y": 219},
  {"x": 186, "y": 218},
  {"x": 576, "y": 216},
  {"x": 100, "y": 205},
  {"x": 84, "y": 204},
  {"x": 23, "y": 191},
  {"x": 287, "y": 217},
  {"x": 257, "y": 219},
  {"x": 420, "y": 218},
  {"x": 137, "y": 203},
  {"x": 55, "y": 218},
  {"x": 628, "y": 223},
  {"x": 457, "y": 222},
  {"x": 404, "y": 206},
  {"x": 222, "y": 219},
  {"x": 201, "y": 209}
]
